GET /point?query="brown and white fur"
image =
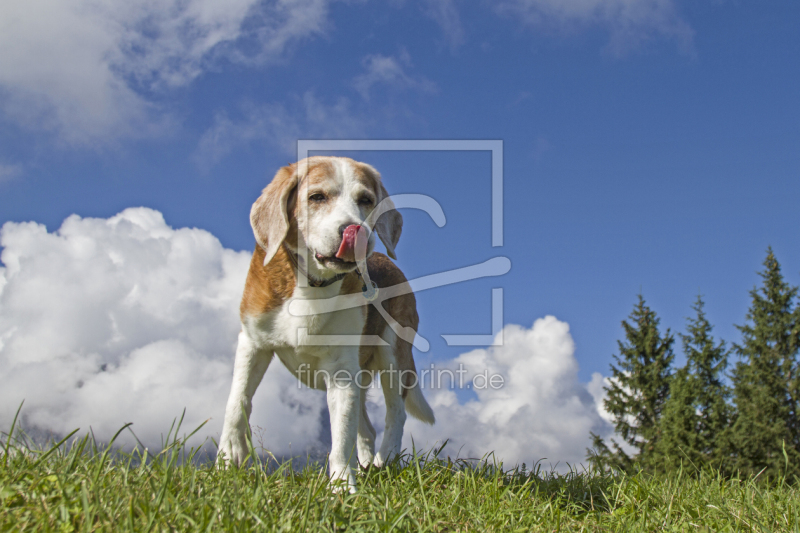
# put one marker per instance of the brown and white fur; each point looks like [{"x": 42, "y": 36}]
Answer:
[{"x": 305, "y": 209}]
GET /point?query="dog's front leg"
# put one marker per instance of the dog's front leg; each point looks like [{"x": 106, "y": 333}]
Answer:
[
  {"x": 248, "y": 368},
  {"x": 344, "y": 406}
]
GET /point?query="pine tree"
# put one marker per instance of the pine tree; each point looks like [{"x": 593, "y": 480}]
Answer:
[
  {"x": 707, "y": 364},
  {"x": 695, "y": 421},
  {"x": 679, "y": 441},
  {"x": 603, "y": 459},
  {"x": 765, "y": 381},
  {"x": 639, "y": 388}
]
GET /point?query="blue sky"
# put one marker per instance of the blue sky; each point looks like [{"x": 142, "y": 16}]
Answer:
[{"x": 649, "y": 145}]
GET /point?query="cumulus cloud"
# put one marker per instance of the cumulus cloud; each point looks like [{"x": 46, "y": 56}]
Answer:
[
  {"x": 85, "y": 69},
  {"x": 125, "y": 319},
  {"x": 630, "y": 22},
  {"x": 541, "y": 411}
]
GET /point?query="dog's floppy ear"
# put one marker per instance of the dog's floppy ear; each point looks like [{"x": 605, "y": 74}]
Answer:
[
  {"x": 269, "y": 216},
  {"x": 389, "y": 225}
]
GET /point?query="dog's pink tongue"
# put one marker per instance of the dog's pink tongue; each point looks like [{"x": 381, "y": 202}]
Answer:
[{"x": 347, "y": 250}]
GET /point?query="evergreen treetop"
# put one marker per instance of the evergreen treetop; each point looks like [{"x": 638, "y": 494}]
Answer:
[
  {"x": 765, "y": 380},
  {"x": 696, "y": 415},
  {"x": 707, "y": 362},
  {"x": 639, "y": 387}
]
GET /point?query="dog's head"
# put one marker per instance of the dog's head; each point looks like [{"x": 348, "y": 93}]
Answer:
[{"x": 312, "y": 203}]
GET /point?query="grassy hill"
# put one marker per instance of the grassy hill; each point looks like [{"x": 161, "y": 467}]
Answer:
[{"x": 79, "y": 486}]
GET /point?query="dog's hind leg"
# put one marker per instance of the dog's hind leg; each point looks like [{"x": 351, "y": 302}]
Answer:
[
  {"x": 248, "y": 368},
  {"x": 395, "y": 418}
]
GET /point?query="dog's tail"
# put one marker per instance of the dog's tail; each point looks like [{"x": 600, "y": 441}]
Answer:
[{"x": 417, "y": 406}]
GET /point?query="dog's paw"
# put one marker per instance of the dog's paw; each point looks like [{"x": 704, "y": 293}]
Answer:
[
  {"x": 382, "y": 458},
  {"x": 230, "y": 453},
  {"x": 365, "y": 460},
  {"x": 343, "y": 481},
  {"x": 342, "y": 487}
]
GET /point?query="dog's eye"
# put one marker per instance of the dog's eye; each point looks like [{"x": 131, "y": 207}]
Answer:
[
  {"x": 319, "y": 197},
  {"x": 365, "y": 200}
]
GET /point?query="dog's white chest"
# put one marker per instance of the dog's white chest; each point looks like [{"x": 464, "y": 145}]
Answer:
[
  {"x": 279, "y": 329},
  {"x": 305, "y": 344}
]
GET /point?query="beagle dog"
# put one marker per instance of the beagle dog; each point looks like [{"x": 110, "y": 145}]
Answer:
[{"x": 308, "y": 223}]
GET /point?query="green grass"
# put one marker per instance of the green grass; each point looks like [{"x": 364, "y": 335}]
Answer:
[{"x": 78, "y": 486}]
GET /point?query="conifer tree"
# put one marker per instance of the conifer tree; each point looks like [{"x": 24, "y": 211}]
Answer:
[
  {"x": 679, "y": 442},
  {"x": 695, "y": 421},
  {"x": 765, "y": 380},
  {"x": 639, "y": 387}
]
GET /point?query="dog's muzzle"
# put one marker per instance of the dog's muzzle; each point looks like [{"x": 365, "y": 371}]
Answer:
[{"x": 354, "y": 244}]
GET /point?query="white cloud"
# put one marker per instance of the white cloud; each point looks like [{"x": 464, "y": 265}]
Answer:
[
  {"x": 541, "y": 411},
  {"x": 630, "y": 22},
  {"x": 108, "y": 321},
  {"x": 391, "y": 71},
  {"x": 280, "y": 125},
  {"x": 446, "y": 15},
  {"x": 125, "y": 319},
  {"x": 597, "y": 388},
  {"x": 84, "y": 69}
]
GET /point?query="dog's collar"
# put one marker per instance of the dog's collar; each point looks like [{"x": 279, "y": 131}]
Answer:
[{"x": 312, "y": 281}]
